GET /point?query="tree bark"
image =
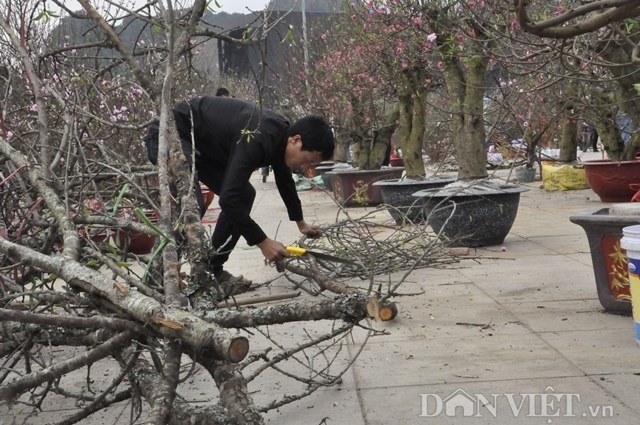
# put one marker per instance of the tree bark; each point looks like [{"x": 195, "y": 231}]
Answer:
[
  {"x": 412, "y": 97},
  {"x": 166, "y": 320}
]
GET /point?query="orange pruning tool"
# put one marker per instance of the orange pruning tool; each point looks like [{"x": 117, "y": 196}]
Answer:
[{"x": 296, "y": 251}]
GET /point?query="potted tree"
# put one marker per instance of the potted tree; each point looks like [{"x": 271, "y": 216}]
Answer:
[
  {"x": 402, "y": 73},
  {"x": 611, "y": 178},
  {"x": 464, "y": 62}
]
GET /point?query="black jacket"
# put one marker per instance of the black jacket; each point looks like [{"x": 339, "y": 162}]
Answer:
[{"x": 232, "y": 139}]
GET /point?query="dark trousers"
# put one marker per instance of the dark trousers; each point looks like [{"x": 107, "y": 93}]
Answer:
[{"x": 225, "y": 236}]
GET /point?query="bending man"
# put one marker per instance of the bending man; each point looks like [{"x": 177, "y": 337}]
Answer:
[{"x": 232, "y": 139}]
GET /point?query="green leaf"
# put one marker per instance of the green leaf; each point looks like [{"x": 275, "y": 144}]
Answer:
[
  {"x": 123, "y": 192},
  {"x": 143, "y": 217},
  {"x": 156, "y": 253},
  {"x": 637, "y": 87}
]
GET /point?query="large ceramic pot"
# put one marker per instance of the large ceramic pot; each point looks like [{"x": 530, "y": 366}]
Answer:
[
  {"x": 471, "y": 219},
  {"x": 354, "y": 188},
  {"x": 397, "y": 194},
  {"x": 604, "y": 231},
  {"x": 610, "y": 180},
  {"x": 207, "y": 195}
]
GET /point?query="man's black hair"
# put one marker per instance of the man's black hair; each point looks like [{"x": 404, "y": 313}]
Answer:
[
  {"x": 223, "y": 91},
  {"x": 316, "y": 135}
]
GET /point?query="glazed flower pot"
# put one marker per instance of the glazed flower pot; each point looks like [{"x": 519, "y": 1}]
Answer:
[
  {"x": 610, "y": 180},
  {"x": 471, "y": 219},
  {"x": 604, "y": 231},
  {"x": 207, "y": 195},
  {"x": 354, "y": 188},
  {"x": 397, "y": 194}
]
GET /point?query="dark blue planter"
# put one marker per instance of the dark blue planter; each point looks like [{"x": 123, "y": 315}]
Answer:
[
  {"x": 471, "y": 220},
  {"x": 397, "y": 195}
]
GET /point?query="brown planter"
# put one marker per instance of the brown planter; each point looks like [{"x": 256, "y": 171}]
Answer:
[
  {"x": 610, "y": 180},
  {"x": 354, "y": 188},
  {"x": 207, "y": 195},
  {"x": 604, "y": 232},
  {"x": 135, "y": 242}
]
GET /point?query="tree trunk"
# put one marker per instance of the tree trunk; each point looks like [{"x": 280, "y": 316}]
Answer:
[
  {"x": 412, "y": 100},
  {"x": 467, "y": 108},
  {"x": 569, "y": 140},
  {"x": 341, "y": 152},
  {"x": 606, "y": 125},
  {"x": 569, "y": 137},
  {"x": 382, "y": 139},
  {"x": 626, "y": 76}
]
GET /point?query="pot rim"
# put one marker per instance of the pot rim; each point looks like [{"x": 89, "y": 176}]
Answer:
[
  {"x": 401, "y": 182},
  {"x": 446, "y": 193},
  {"x": 596, "y": 162},
  {"x": 357, "y": 170}
]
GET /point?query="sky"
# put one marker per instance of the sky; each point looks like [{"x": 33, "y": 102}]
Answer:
[
  {"x": 240, "y": 6},
  {"x": 229, "y": 6}
]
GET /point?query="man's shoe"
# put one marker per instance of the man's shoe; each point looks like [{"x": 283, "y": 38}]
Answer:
[{"x": 232, "y": 285}]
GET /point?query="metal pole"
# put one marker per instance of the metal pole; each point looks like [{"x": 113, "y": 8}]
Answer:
[{"x": 305, "y": 48}]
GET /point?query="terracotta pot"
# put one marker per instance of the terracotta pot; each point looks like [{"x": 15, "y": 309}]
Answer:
[
  {"x": 398, "y": 193},
  {"x": 132, "y": 241},
  {"x": 604, "y": 232},
  {"x": 610, "y": 180},
  {"x": 396, "y": 162},
  {"x": 354, "y": 188},
  {"x": 207, "y": 195},
  {"x": 472, "y": 220}
]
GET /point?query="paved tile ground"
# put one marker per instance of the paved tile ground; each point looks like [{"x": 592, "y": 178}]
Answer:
[{"x": 548, "y": 354}]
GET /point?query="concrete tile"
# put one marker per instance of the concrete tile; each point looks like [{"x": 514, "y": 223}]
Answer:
[
  {"x": 598, "y": 351},
  {"x": 580, "y": 397},
  {"x": 468, "y": 359},
  {"x": 536, "y": 278},
  {"x": 571, "y": 315},
  {"x": 624, "y": 387}
]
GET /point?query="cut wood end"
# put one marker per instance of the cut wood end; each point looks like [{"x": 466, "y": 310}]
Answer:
[
  {"x": 238, "y": 349},
  {"x": 387, "y": 312}
]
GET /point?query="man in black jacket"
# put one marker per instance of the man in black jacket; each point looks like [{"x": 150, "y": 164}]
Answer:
[{"x": 233, "y": 138}]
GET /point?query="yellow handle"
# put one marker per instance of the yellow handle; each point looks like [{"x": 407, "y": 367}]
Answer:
[{"x": 296, "y": 250}]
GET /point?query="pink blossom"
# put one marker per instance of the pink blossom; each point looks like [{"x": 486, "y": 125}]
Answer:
[
  {"x": 432, "y": 37},
  {"x": 34, "y": 107}
]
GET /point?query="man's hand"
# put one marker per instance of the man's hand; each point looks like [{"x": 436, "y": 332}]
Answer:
[
  {"x": 310, "y": 230},
  {"x": 272, "y": 250}
]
